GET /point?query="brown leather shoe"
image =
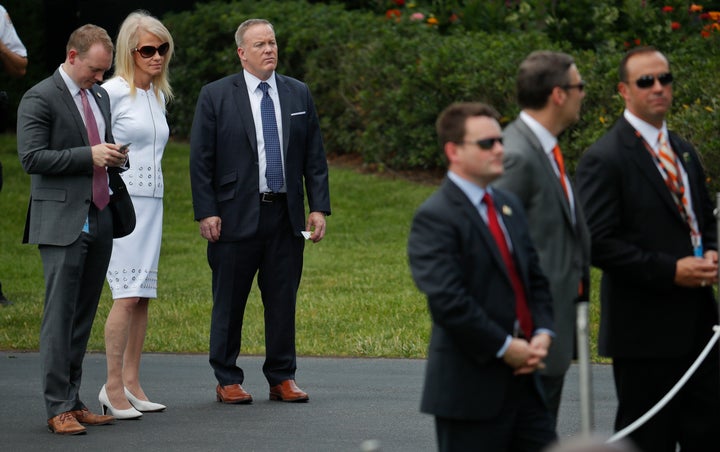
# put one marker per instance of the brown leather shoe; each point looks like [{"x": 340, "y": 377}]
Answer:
[
  {"x": 65, "y": 424},
  {"x": 232, "y": 394},
  {"x": 287, "y": 391},
  {"x": 85, "y": 416}
]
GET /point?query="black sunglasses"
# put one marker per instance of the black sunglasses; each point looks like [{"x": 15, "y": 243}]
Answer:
[
  {"x": 646, "y": 81},
  {"x": 580, "y": 86},
  {"x": 485, "y": 144},
  {"x": 149, "y": 51}
]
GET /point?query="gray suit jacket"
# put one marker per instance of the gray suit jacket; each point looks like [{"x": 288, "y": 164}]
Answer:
[
  {"x": 54, "y": 149},
  {"x": 563, "y": 247}
]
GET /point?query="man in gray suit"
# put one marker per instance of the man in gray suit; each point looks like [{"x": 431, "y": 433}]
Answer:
[
  {"x": 550, "y": 93},
  {"x": 72, "y": 216}
]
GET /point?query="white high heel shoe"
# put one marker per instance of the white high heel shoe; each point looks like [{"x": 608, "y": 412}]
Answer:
[
  {"x": 143, "y": 405},
  {"x": 105, "y": 406}
]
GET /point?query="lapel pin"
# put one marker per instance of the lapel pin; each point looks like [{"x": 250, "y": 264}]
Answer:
[
  {"x": 506, "y": 210},
  {"x": 686, "y": 157}
]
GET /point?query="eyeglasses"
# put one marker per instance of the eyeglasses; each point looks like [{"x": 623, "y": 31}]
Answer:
[
  {"x": 149, "y": 51},
  {"x": 646, "y": 81},
  {"x": 486, "y": 144},
  {"x": 580, "y": 86}
]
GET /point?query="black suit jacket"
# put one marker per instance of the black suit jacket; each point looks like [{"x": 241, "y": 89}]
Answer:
[
  {"x": 637, "y": 237},
  {"x": 224, "y": 156},
  {"x": 456, "y": 263}
]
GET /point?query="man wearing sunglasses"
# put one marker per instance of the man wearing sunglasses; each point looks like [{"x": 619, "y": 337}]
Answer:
[
  {"x": 470, "y": 252},
  {"x": 550, "y": 92},
  {"x": 255, "y": 151},
  {"x": 654, "y": 237}
]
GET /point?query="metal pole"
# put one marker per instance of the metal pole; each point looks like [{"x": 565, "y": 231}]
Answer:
[{"x": 583, "y": 348}]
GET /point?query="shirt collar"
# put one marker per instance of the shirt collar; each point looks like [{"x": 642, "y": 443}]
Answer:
[
  {"x": 70, "y": 83},
  {"x": 647, "y": 131},
  {"x": 547, "y": 139},
  {"x": 474, "y": 192},
  {"x": 253, "y": 83}
]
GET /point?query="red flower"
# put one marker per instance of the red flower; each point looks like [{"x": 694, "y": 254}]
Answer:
[
  {"x": 705, "y": 16},
  {"x": 393, "y": 13},
  {"x": 637, "y": 41},
  {"x": 675, "y": 25},
  {"x": 667, "y": 9},
  {"x": 400, "y": 2}
]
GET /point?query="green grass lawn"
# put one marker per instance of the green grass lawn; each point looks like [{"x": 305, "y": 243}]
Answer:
[{"x": 356, "y": 297}]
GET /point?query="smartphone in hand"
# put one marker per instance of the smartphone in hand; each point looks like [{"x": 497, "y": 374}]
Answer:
[{"x": 124, "y": 148}]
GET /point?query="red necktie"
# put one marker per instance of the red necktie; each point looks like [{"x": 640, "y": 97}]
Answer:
[
  {"x": 521, "y": 308},
  {"x": 561, "y": 167},
  {"x": 101, "y": 194}
]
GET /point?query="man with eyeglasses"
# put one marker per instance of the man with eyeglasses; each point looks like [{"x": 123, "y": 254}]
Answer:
[
  {"x": 471, "y": 254},
  {"x": 550, "y": 92},
  {"x": 654, "y": 237}
]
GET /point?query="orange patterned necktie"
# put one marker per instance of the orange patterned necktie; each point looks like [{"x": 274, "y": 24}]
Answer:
[{"x": 561, "y": 167}]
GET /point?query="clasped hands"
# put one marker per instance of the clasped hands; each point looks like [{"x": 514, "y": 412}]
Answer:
[{"x": 527, "y": 357}]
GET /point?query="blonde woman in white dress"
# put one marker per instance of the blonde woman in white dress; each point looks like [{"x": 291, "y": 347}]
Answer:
[{"x": 138, "y": 94}]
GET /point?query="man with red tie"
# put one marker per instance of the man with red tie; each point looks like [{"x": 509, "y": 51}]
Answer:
[
  {"x": 470, "y": 252},
  {"x": 654, "y": 237}
]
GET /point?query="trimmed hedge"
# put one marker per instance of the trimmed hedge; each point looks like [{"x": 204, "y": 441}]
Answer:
[{"x": 379, "y": 84}]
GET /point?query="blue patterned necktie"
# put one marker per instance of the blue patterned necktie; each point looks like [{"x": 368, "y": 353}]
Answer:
[{"x": 273, "y": 161}]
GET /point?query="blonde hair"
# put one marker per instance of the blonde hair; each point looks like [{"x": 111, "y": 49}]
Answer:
[{"x": 127, "y": 41}]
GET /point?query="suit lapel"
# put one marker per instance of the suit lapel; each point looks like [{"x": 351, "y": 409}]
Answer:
[
  {"x": 535, "y": 147},
  {"x": 71, "y": 106},
  {"x": 105, "y": 110},
  {"x": 512, "y": 229},
  {"x": 457, "y": 197},
  {"x": 242, "y": 101},
  {"x": 640, "y": 156},
  {"x": 284, "y": 95}
]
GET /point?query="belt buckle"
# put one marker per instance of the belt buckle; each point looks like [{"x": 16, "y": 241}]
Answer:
[{"x": 267, "y": 197}]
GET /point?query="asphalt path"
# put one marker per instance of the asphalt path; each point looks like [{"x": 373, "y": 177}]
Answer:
[{"x": 355, "y": 405}]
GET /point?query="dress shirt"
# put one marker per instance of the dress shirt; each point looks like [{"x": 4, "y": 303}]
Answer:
[
  {"x": 256, "y": 94},
  {"x": 650, "y": 135},
  {"x": 548, "y": 141}
]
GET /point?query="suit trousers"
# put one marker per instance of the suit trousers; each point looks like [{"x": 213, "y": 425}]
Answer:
[
  {"x": 690, "y": 419},
  {"x": 275, "y": 255},
  {"x": 523, "y": 425},
  {"x": 74, "y": 279}
]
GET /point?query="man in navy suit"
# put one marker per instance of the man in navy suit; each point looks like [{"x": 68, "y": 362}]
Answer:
[
  {"x": 654, "y": 237},
  {"x": 470, "y": 252},
  {"x": 256, "y": 150}
]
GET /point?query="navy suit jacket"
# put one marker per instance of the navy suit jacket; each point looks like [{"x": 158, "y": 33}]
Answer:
[
  {"x": 224, "y": 156},
  {"x": 637, "y": 237},
  {"x": 454, "y": 260}
]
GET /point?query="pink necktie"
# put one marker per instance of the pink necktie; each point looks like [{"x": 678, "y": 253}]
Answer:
[
  {"x": 521, "y": 308},
  {"x": 101, "y": 194}
]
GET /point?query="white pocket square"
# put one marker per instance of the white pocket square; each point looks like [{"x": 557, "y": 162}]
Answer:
[{"x": 297, "y": 113}]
